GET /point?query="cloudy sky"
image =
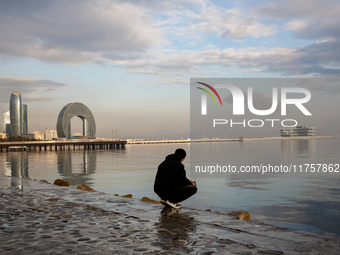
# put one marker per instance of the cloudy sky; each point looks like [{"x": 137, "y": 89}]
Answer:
[{"x": 131, "y": 62}]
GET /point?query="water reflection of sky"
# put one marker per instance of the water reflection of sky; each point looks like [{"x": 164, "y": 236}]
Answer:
[{"x": 308, "y": 201}]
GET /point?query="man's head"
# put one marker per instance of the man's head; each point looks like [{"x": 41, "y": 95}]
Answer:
[{"x": 181, "y": 154}]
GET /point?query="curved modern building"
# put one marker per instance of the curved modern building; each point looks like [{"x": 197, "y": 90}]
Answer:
[
  {"x": 15, "y": 111},
  {"x": 68, "y": 112}
]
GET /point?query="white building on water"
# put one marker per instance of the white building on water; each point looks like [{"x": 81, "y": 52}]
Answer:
[{"x": 298, "y": 131}]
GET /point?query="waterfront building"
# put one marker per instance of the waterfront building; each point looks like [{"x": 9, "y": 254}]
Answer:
[
  {"x": 29, "y": 136},
  {"x": 24, "y": 119},
  {"x": 298, "y": 131},
  {"x": 18, "y": 124},
  {"x": 81, "y": 111},
  {"x": 15, "y": 111},
  {"x": 38, "y": 135},
  {"x": 50, "y": 134},
  {"x": 6, "y": 124}
]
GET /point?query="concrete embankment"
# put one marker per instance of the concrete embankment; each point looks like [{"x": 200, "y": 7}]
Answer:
[{"x": 41, "y": 218}]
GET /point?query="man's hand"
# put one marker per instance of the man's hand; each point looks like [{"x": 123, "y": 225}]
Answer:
[{"x": 193, "y": 182}]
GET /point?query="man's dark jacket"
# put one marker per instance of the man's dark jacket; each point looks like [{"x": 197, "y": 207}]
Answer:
[{"x": 170, "y": 175}]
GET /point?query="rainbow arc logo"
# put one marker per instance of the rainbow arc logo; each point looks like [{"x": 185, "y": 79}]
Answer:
[{"x": 209, "y": 93}]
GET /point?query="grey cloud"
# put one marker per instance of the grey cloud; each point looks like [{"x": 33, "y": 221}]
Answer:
[
  {"x": 322, "y": 53},
  {"x": 284, "y": 9},
  {"x": 31, "y": 89},
  {"x": 81, "y": 31},
  {"x": 326, "y": 86},
  {"x": 319, "y": 29},
  {"x": 168, "y": 5},
  {"x": 319, "y": 59},
  {"x": 311, "y": 19},
  {"x": 76, "y": 31}
]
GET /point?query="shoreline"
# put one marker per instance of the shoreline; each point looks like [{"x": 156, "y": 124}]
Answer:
[{"x": 63, "y": 220}]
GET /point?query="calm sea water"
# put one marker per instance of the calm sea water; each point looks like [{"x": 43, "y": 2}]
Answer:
[{"x": 306, "y": 201}]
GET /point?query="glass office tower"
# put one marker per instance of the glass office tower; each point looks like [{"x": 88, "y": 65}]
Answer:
[
  {"x": 15, "y": 111},
  {"x": 24, "y": 119}
]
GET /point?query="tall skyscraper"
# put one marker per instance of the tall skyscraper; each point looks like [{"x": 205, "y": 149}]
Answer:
[
  {"x": 15, "y": 111},
  {"x": 24, "y": 120},
  {"x": 17, "y": 116}
]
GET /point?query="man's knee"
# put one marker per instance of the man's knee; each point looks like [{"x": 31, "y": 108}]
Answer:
[{"x": 195, "y": 189}]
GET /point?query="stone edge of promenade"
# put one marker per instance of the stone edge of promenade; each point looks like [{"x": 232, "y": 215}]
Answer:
[{"x": 262, "y": 234}]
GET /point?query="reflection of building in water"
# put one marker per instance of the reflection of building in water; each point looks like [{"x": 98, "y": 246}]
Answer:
[
  {"x": 18, "y": 165},
  {"x": 77, "y": 173},
  {"x": 298, "y": 147},
  {"x": 298, "y": 131}
]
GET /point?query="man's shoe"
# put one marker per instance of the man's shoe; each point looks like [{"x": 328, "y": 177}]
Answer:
[
  {"x": 173, "y": 205},
  {"x": 163, "y": 202}
]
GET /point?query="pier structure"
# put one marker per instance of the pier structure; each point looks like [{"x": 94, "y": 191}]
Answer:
[
  {"x": 142, "y": 141},
  {"x": 93, "y": 144},
  {"x": 239, "y": 139},
  {"x": 90, "y": 144}
]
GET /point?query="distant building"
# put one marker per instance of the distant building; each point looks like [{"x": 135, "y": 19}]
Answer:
[
  {"x": 298, "y": 131},
  {"x": 38, "y": 135},
  {"x": 7, "y": 124},
  {"x": 30, "y": 136},
  {"x": 3, "y": 135},
  {"x": 82, "y": 137},
  {"x": 50, "y": 134},
  {"x": 68, "y": 112},
  {"x": 15, "y": 111},
  {"x": 18, "y": 115},
  {"x": 24, "y": 119}
]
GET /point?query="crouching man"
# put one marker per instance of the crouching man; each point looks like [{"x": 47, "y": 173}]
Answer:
[{"x": 171, "y": 183}]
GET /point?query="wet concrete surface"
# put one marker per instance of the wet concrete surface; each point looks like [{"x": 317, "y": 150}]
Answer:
[{"x": 40, "y": 218}]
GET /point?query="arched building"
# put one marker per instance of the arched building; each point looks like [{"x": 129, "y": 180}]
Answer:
[{"x": 68, "y": 112}]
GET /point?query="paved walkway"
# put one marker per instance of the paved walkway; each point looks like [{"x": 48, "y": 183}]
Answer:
[{"x": 40, "y": 218}]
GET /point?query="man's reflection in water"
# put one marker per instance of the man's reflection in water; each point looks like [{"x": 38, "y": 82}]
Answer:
[{"x": 175, "y": 229}]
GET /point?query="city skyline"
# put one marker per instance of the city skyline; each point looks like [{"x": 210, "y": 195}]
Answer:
[{"x": 131, "y": 62}]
